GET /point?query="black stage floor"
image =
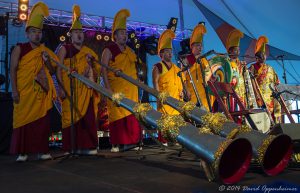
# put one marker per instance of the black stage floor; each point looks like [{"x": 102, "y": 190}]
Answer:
[{"x": 151, "y": 170}]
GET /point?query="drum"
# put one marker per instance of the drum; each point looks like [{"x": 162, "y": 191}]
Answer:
[{"x": 220, "y": 70}]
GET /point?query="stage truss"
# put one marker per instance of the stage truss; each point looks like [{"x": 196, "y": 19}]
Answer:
[{"x": 94, "y": 22}]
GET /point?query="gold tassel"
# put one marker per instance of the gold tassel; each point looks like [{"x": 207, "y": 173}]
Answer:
[
  {"x": 263, "y": 148},
  {"x": 140, "y": 110},
  {"x": 162, "y": 97},
  {"x": 215, "y": 121},
  {"x": 117, "y": 97},
  {"x": 169, "y": 126},
  {"x": 186, "y": 107},
  {"x": 218, "y": 154}
]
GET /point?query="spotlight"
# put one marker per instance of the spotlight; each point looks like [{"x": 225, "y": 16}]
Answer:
[
  {"x": 132, "y": 35},
  {"x": 62, "y": 38},
  {"x": 202, "y": 23},
  {"x": 106, "y": 38},
  {"x": 23, "y": 17},
  {"x": 23, "y": 9},
  {"x": 69, "y": 34},
  {"x": 172, "y": 24},
  {"x": 98, "y": 37}
]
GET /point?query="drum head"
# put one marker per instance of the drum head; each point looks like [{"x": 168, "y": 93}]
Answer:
[{"x": 221, "y": 70}]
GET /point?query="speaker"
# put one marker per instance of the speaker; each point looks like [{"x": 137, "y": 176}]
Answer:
[
  {"x": 55, "y": 122},
  {"x": 290, "y": 129},
  {"x": 3, "y": 25},
  {"x": 6, "y": 121}
]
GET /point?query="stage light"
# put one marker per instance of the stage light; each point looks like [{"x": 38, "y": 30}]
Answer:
[
  {"x": 132, "y": 35},
  {"x": 172, "y": 24},
  {"x": 23, "y": 9},
  {"x": 23, "y": 17},
  {"x": 98, "y": 37},
  {"x": 106, "y": 38},
  {"x": 202, "y": 23},
  {"x": 68, "y": 34},
  {"x": 62, "y": 38}
]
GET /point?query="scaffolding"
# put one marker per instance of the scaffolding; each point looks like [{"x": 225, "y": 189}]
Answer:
[{"x": 94, "y": 22}]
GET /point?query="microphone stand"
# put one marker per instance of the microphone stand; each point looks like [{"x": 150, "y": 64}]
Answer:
[
  {"x": 277, "y": 95},
  {"x": 199, "y": 104},
  {"x": 73, "y": 152},
  {"x": 205, "y": 84},
  {"x": 284, "y": 70}
]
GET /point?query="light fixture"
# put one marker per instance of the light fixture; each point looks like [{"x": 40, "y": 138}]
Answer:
[
  {"x": 62, "y": 38},
  {"x": 23, "y": 10},
  {"x": 99, "y": 37}
]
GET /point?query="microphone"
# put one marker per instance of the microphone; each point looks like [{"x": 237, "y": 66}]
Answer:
[
  {"x": 185, "y": 68},
  {"x": 205, "y": 55}
]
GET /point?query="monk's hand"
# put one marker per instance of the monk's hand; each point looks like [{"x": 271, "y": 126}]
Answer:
[
  {"x": 90, "y": 59},
  {"x": 181, "y": 95},
  {"x": 16, "y": 97},
  {"x": 61, "y": 94},
  {"x": 117, "y": 72},
  {"x": 188, "y": 95},
  {"x": 45, "y": 56}
]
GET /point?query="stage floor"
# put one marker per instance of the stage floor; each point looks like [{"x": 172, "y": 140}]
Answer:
[{"x": 150, "y": 170}]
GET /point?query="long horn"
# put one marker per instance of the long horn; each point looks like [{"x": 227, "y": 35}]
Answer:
[
  {"x": 272, "y": 152},
  {"x": 229, "y": 158}
]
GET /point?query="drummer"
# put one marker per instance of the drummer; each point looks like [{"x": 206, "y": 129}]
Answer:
[
  {"x": 195, "y": 68},
  {"x": 233, "y": 50}
]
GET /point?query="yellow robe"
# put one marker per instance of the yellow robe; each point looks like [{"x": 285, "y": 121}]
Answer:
[
  {"x": 196, "y": 71},
  {"x": 82, "y": 93},
  {"x": 169, "y": 82},
  {"x": 124, "y": 61},
  {"x": 34, "y": 101}
]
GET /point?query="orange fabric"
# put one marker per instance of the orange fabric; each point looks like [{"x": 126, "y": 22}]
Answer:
[
  {"x": 169, "y": 82},
  {"x": 34, "y": 101},
  {"x": 82, "y": 93},
  {"x": 195, "y": 69},
  {"x": 124, "y": 61}
]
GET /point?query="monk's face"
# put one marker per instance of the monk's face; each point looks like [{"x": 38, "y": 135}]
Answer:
[
  {"x": 196, "y": 48},
  {"x": 77, "y": 36},
  {"x": 120, "y": 36},
  {"x": 261, "y": 57},
  {"x": 234, "y": 52},
  {"x": 166, "y": 55},
  {"x": 34, "y": 35}
]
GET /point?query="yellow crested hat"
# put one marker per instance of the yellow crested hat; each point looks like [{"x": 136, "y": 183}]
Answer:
[
  {"x": 120, "y": 20},
  {"x": 197, "y": 35},
  {"x": 261, "y": 44},
  {"x": 165, "y": 40},
  {"x": 76, "y": 24},
  {"x": 233, "y": 38},
  {"x": 37, "y": 14}
]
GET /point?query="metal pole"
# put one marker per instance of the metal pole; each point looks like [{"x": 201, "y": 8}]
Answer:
[{"x": 6, "y": 53}]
